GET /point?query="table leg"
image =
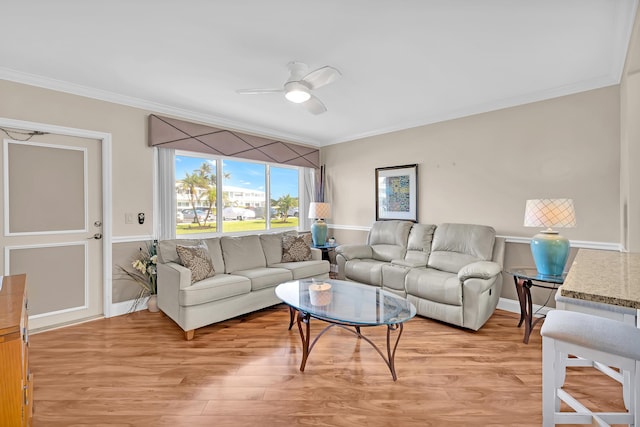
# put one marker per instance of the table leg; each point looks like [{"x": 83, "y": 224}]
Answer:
[
  {"x": 528, "y": 326},
  {"x": 523, "y": 289},
  {"x": 305, "y": 337},
  {"x": 391, "y": 354},
  {"x": 521, "y": 298},
  {"x": 292, "y": 313}
]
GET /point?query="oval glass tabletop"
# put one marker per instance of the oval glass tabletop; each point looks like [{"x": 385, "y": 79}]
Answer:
[{"x": 346, "y": 302}]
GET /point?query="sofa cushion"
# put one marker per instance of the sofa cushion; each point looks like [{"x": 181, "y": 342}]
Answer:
[
  {"x": 365, "y": 271},
  {"x": 296, "y": 248},
  {"x": 219, "y": 287},
  {"x": 196, "y": 259},
  {"x": 456, "y": 245},
  {"x": 242, "y": 253},
  {"x": 388, "y": 239},
  {"x": 419, "y": 244},
  {"x": 167, "y": 250},
  {"x": 215, "y": 252},
  {"x": 434, "y": 285},
  {"x": 272, "y": 246},
  {"x": 304, "y": 269},
  {"x": 266, "y": 277}
]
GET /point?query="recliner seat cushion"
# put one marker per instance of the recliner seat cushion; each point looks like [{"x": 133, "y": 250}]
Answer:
[
  {"x": 434, "y": 285},
  {"x": 365, "y": 271}
]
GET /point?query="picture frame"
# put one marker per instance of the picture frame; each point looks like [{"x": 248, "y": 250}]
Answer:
[{"x": 397, "y": 193}]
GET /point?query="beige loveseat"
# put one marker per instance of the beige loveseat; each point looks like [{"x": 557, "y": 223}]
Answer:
[
  {"x": 247, "y": 270},
  {"x": 450, "y": 272}
]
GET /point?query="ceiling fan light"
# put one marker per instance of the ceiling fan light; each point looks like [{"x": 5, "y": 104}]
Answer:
[
  {"x": 297, "y": 93},
  {"x": 298, "y": 96}
]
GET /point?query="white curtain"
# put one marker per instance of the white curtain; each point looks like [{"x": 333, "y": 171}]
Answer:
[
  {"x": 166, "y": 223},
  {"x": 306, "y": 197}
]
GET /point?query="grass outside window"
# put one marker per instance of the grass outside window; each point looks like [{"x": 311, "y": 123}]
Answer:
[{"x": 236, "y": 226}]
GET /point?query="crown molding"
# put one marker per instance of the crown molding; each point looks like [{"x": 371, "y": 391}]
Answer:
[
  {"x": 214, "y": 120},
  {"x": 102, "y": 95},
  {"x": 528, "y": 98}
]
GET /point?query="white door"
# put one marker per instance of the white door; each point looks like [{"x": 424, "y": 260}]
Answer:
[{"x": 52, "y": 226}]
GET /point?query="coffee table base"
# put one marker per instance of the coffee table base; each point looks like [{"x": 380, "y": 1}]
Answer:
[{"x": 307, "y": 344}]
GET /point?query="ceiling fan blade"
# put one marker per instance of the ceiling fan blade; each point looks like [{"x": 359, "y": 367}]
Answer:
[
  {"x": 321, "y": 76},
  {"x": 314, "y": 105},
  {"x": 258, "y": 91}
]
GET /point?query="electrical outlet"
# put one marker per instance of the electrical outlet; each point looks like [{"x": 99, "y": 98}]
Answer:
[{"x": 129, "y": 218}]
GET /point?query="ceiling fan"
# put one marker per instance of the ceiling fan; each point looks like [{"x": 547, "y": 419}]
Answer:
[{"x": 299, "y": 85}]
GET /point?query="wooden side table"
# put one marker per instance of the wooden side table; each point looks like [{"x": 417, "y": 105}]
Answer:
[{"x": 524, "y": 279}]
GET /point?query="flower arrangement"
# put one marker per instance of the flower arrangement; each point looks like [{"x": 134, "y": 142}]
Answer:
[{"x": 145, "y": 272}]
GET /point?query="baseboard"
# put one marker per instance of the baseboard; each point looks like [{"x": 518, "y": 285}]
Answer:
[
  {"x": 513, "y": 306},
  {"x": 124, "y": 307}
]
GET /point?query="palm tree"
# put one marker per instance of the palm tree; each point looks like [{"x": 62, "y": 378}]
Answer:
[
  {"x": 209, "y": 185},
  {"x": 193, "y": 184},
  {"x": 285, "y": 203}
]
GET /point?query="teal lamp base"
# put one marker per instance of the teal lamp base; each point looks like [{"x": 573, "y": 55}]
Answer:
[
  {"x": 550, "y": 252},
  {"x": 319, "y": 232}
]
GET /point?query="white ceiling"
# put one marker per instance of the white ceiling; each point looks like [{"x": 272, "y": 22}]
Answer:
[{"x": 404, "y": 63}]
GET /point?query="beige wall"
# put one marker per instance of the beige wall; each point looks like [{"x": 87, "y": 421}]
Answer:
[{"x": 481, "y": 169}]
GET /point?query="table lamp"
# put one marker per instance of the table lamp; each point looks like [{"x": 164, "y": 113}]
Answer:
[
  {"x": 319, "y": 211},
  {"x": 550, "y": 250}
]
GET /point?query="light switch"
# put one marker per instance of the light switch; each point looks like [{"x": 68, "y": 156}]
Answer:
[{"x": 129, "y": 218}]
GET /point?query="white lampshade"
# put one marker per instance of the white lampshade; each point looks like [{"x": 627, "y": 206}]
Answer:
[
  {"x": 550, "y": 213},
  {"x": 319, "y": 210}
]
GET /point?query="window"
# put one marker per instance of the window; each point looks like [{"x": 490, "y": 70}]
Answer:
[{"x": 254, "y": 196}]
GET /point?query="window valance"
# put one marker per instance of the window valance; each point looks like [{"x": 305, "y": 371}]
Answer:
[{"x": 165, "y": 132}]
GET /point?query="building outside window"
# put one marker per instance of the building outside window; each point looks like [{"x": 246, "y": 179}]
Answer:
[{"x": 255, "y": 196}]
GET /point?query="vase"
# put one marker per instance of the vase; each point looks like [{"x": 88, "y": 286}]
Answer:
[{"x": 152, "y": 303}]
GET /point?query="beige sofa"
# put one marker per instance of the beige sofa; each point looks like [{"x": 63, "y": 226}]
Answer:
[
  {"x": 247, "y": 270},
  {"x": 450, "y": 272}
]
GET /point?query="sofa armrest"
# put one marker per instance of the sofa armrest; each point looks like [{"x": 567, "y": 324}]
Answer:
[
  {"x": 479, "y": 270},
  {"x": 174, "y": 275},
  {"x": 355, "y": 251},
  {"x": 316, "y": 254}
]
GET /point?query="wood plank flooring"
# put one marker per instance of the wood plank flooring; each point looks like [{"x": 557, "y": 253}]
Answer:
[{"x": 137, "y": 370}]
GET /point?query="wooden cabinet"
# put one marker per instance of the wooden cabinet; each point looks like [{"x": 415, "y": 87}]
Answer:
[{"x": 16, "y": 382}]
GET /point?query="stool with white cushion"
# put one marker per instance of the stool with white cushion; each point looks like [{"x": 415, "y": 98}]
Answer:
[
  {"x": 610, "y": 311},
  {"x": 609, "y": 342}
]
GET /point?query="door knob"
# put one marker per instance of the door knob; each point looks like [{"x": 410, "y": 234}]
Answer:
[{"x": 96, "y": 236}]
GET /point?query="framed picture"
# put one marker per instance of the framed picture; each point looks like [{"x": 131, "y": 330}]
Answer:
[{"x": 397, "y": 193}]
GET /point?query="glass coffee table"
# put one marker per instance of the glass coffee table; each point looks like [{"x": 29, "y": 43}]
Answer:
[{"x": 348, "y": 305}]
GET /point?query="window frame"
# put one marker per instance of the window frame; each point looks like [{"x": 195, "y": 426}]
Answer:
[{"x": 219, "y": 200}]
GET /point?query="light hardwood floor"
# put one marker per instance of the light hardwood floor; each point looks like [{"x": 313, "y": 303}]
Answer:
[{"x": 137, "y": 370}]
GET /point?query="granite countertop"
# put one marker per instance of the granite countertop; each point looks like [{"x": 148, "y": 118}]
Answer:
[{"x": 604, "y": 276}]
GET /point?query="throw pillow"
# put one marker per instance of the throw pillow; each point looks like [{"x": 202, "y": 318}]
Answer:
[
  {"x": 296, "y": 248},
  {"x": 196, "y": 259}
]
